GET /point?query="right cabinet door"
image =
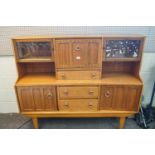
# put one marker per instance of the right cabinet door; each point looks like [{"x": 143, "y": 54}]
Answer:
[{"x": 120, "y": 98}]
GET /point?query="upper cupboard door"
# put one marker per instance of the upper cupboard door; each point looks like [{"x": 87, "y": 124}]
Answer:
[
  {"x": 95, "y": 53},
  {"x": 126, "y": 48},
  {"x": 79, "y": 52},
  {"x": 30, "y": 49},
  {"x": 63, "y": 53}
]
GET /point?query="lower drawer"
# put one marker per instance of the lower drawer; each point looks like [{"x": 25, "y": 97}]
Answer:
[
  {"x": 78, "y": 105},
  {"x": 78, "y": 92},
  {"x": 78, "y": 75}
]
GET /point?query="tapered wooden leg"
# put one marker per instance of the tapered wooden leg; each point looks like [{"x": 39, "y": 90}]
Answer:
[
  {"x": 35, "y": 123},
  {"x": 121, "y": 122}
]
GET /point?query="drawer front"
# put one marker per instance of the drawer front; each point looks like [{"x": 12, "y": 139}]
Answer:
[
  {"x": 78, "y": 75},
  {"x": 78, "y": 92},
  {"x": 78, "y": 105}
]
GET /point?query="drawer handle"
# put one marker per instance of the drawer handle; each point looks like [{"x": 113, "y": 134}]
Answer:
[
  {"x": 63, "y": 76},
  {"x": 107, "y": 94},
  {"x": 91, "y": 92},
  {"x": 77, "y": 48},
  {"x": 93, "y": 75},
  {"x": 66, "y": 105},
  {"x": 66, "y": 92},
  {"x": 90, "y": 105}
]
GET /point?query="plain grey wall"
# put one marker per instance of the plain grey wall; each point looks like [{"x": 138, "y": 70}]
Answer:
[{"x": 7, "y": 32}]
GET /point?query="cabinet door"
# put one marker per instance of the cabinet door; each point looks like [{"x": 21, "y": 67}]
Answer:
[
  {"x": 95, "y": 53},
  {"x": 37, "y": 98},
  {"x": 25, "y": 99},
  {"x": 79, "y": 53},
  {"x": 119, "y": 102},
  {"x": 133, "y": 97},
  {"x": 49, "y": 98},
  {"x": 107, "y": 93},
  {"x": 120, "y": 98},
  {"x": 63, "y": 54},
  {"x": 34, "y": 48}
]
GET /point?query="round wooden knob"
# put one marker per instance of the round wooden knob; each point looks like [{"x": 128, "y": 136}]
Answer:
[
  {"x": 77, "y": 48},
  {"x": 66, "y": 92},
  {"x": 107, "y": 94},
  {"x": 49, "y": 95},
  {"x": 90, "y": 104},
  {"x": 66, "y": 104},
  {"x": 91, "y": 92},
  {"x": 63, "y": 76},
  {"x": 93, "y": 75}
]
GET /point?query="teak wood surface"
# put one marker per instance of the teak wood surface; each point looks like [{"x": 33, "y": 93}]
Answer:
[{"x": 77, "y": 80}]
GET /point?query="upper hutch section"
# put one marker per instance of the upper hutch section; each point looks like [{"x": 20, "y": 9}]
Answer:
[{"x": 78, "y": 51}]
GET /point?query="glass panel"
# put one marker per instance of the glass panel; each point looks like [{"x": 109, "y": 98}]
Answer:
[
  {"x": 122, "y": 48},
  {"x": 33, "y": 49}
]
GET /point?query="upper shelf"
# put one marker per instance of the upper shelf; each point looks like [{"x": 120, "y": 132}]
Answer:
[{"x": 43, "y": 59}]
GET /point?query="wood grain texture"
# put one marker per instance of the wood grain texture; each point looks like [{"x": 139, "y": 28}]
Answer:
[
  {"x": 37, "y": 98},
  {"x": 78, "y": 53},
  {"x": 78, "y": 105},
  {"x": 120, "y": 97},
  {"x": 107, "y": 79},
  {"x": 78, "y": 92},
  {"x": 78, "y": 75},
  {"x": 77, "y": 80}
]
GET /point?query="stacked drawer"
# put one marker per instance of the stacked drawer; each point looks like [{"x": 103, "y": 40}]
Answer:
[
  {"x": 78, "y": 98},
  {"x": 78, "y": 75}
]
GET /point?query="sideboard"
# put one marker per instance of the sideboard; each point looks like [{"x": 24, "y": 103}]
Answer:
[{"x": 79, "y": 76}]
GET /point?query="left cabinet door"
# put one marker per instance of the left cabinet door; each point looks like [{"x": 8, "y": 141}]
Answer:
[{"x": 37, "y": 98}]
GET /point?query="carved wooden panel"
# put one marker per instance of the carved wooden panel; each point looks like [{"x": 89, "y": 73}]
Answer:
[
  {"x": 107, "y": 94},
  {"x": 37, "y": 98},
  {"x": 95, "y": 53},
  {"x": 133, "y": 97},
  {"x": 62, "y": 54},
  {"x": 25, "y": 99},
  {"x": 49, "y": 98},
  {"x": 79, "y": 53},
  {"x": 120, "y": 97}
]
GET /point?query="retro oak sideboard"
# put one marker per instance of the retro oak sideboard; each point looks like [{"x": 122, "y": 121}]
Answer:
[{"x": 78, "y": 76}]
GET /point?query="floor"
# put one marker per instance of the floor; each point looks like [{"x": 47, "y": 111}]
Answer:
[{"x": 18, "y": 121}]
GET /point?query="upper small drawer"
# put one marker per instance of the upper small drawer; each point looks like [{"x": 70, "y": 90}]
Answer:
[
  {"x": 78, "y": 75},
  {"x": 78, "y": 92}
]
